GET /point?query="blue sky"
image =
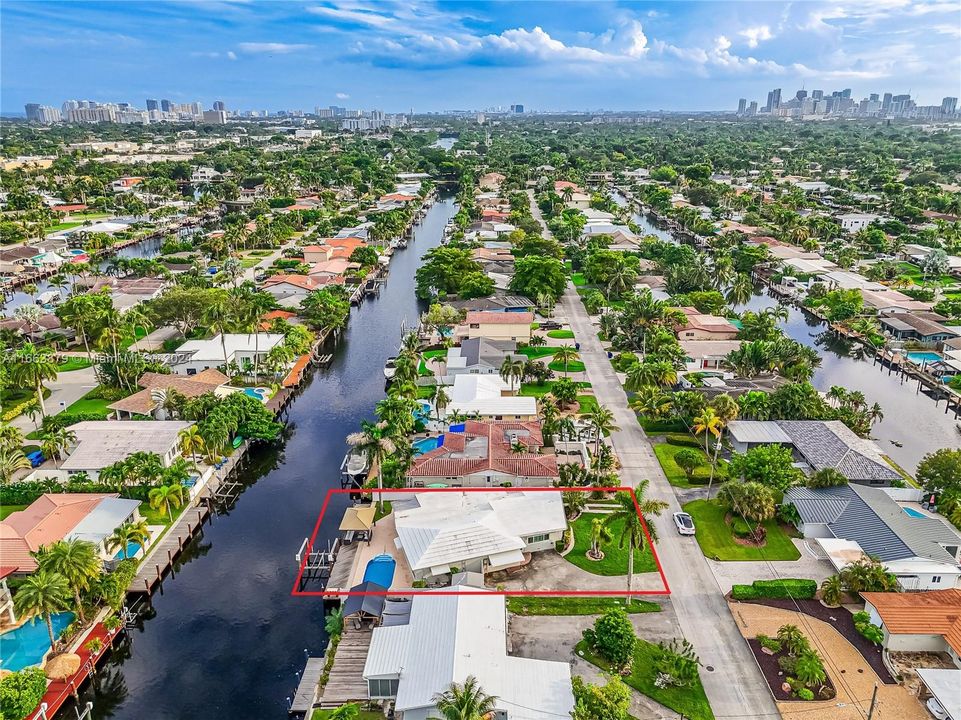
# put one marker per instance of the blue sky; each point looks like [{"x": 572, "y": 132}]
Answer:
[{"x": 445, "y": 55}]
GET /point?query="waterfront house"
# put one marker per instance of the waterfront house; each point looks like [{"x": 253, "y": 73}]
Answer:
[
  {"x": 514, "y": 326},
  {"x": 448, "y": 638},
  {"x": 241, "y": 349},
  {"x": 707, "y": 354},
  {"x": 325, "y": 271},
  {"x": 922, "y": 327},
  {"x": 443, "y": 532},
  {"x": 701, "y": 326},
  {"x": 484, "y": 454},
  {"x": 817, "y": 444},
  {"x": 100, "y": 443},
  {"x": 480, "y": 356},
  {"x": 488, "y": 396},
  {"x": 498, "y": 302},
  {"x": 61, "y": 516},
  {"x": 290, "y": 290},
  {"x": 853, "y": 222},
  {"x": 892, "y": 301},
  {"x": 145, "y": 402},
  {"x": 928, "y": 622},
  {"x": 851, "y": 521}
]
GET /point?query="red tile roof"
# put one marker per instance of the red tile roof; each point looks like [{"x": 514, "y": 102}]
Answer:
[
  {"x": 68, "y": 208},
  {"x": 936, "y": 612},
  {"x": 301, "y": 281}
]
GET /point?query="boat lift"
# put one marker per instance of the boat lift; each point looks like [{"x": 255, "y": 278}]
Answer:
[{"x": 318, "y": 563}]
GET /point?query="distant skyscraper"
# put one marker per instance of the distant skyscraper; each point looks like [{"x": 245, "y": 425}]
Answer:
[
  {"x": 741, "y": 106},
  {"x": 517, "y": 109},
  {"x": 846, "y": 93},
  {"x": 773, "y": 100},
  {"x": 949, "y": 105},
  {"x": 801, "y": 94},
  {"x": 33, "y": 112},
  {"x": 874, "y": 97},
  {"x": 166, "y": 106},
  {"x": 752, "y": 108},
  {"x": 817, "y": 94},
  {"x": 886, "y": 102},
  {"x": 219, "y": 105},
  {"x": 69, "y": 105},
  {"x": 152, "y": 105}
]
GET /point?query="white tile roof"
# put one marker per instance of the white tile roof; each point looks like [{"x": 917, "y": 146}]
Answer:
[{"x": 103, "y": 442}]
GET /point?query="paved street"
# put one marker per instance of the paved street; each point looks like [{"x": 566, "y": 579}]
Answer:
[
  {"x": 733, "y": 683},
  {"x": 64, "y": 391}
]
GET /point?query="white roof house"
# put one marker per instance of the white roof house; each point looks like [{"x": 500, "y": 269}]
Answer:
[
  {"x": 101, "y": 443},
  {"x": 482, "y": 395},
  {"x": 477, "y": 531},
  {"x": 449, "y": 638},
  {"x": 197, "y": 355}
]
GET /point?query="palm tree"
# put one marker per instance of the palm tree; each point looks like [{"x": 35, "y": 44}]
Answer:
[
  {"x": 31, "y": 366},
  {"x": 77, "y": 562},
  {"x": 512, "y": 370},
  {"x": 741, "y": 290},
  {"x": 601, "y": 420},
  {"x": 127, "y": 534},
  {"x": 632, "y": 532},
  {"x": 54, "y": 443},
  {"x": 709, "y": 423},
  {"x": 566, "y": 354},
  {"x": 374, "y": 442},
  {"x": 11, "y": 460},
  {"x": 42, "y": 594},
  {"x": 166, "y": 498},
  {"x": 465, "y": 702},
  {"x": 440, "y": 399},
  {"x": 192, "y": 441},
  {"x": 600, "y": 533}
]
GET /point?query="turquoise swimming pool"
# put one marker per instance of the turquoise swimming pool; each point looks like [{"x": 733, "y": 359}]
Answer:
[
  {"x": 258, "y": 393},
  {"x": 28, "y": 644},
  {"x": 425, "y": 445},
  {"x": 923, "y": 357},
  {"x": 132, "y": 549}
]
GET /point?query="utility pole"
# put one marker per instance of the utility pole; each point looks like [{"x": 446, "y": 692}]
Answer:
[{"x": 874, "y": 699}]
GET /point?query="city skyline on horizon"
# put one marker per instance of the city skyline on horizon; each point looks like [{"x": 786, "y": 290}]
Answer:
[{"x": 438, "y": 56}]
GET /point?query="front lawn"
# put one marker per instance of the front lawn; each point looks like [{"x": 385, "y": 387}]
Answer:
[
  {"x": 543, "y": 605},
  {"x": 587, "y": 403},
  {"x": 364, "y": 715},
  {"x": 690, "y": 702},
  {"x": 578, "y": 279},
  {"x": 615, "y": 558},
  {"x": 665, "y": 453},
  {"x": 561, "y": 334},
  {"x": 663, "y": 425},
  {"x": 717, "y": 541},
  {"x": 422, "y": 368},
  {"x": 69, "y": 364},
  {"x": 156, "y": 517},
  {"x": 916, "y": 274},
  {"x": 7, "y": 509},
  {"x": 534, "y": 353},
  {"x": 90, "y": 403},
  {"x": 572, "y": 366},
  {"x": 540, "y": 390}
]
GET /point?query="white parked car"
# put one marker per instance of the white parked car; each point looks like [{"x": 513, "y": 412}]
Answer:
[
  {"x": 934, "y": 707},
  {"x": 684, "y": 523}
]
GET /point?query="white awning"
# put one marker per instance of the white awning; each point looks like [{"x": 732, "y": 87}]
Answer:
[
  {"x": 440, "y": 569},
  {"x": 505, "y": 559}
]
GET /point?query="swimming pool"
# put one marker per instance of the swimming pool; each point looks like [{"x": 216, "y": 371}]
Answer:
[
  {"x": 132, "y": 549},
  {"x": 920, "y": 358},
  {"x": 28, "y": 644},
  {"x": 258, "y": 393},
  {"x": 913, "y": 513},
  {"x": 425, "y": 445}
]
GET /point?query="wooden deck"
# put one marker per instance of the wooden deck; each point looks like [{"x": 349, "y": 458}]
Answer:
[
  {"x": 161, "y": 557},
  {"x": 346, "y": 682},
  {"x": 343, "y": 568},
  {"x": 306, "y": 694}
]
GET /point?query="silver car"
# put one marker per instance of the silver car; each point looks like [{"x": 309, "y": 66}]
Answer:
[{"x": 684, "y": 523}]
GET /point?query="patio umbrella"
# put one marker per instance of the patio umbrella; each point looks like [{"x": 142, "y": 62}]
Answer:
[{"x": 62, "y": 666}]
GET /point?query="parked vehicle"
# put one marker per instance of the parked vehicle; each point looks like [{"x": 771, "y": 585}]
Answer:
[
  {"x": 36, "y": 458},
  {"x": 684, "y": 523},
  {"x": 934, "y": 707}
]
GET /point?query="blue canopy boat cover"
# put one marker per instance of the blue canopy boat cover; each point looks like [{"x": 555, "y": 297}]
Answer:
[{"x": 380, "y": 570}]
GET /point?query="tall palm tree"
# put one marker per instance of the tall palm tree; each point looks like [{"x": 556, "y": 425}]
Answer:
[
  {"x": 31, "y": 366},
  {"x": 632, "y": 533},
  {"x": 709, "y": 423},
  {"x": 374, "y": 442},
  {"x": 566, "y": 354},
  {"x": 167, "y": 498},
  {"x": 126, "y": 534},
  {"x": 77, "y": 562},
  {"x": 511, "y": 370},
  {"x": 440, "y": 399},
  {"x": 465, "y": 702},
  {"x": 192, "y": 441},
  {"x": 600, "y": 533},
  {"x": 42, "y": 594},
  {"x": 11, "y": 460},
  {"x": 54, "y": 443},
  {"x": 601, "y": 420},
  {"x": 740, "y": 290}
]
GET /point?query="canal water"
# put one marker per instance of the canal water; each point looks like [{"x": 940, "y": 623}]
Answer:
[
  {"x": 225, "y": 639},
  {"x": 912, "y": 425}
]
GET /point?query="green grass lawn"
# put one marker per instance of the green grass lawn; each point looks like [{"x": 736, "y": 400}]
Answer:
[
  {"x": 615, "y": 558},
  {"x": 561, "y": 334},
  {"x": 536, "y": 352},
  {"x": 422, "y": 368},
  {"x": 652, "y": 426},
  {"x": 260, "y": 253},
  {"x": 154, "y": 517},
  {"x": 665, "y": 453},
  {"x": 915, "y": 273},
  {"x": 578, "y": 279},
  {"x": 535, "y": 390},
  {"x": 88, "y": 404},
  {"x": 543, "y": 605},
  {"x": 72, "y": 363},
  {"x": 691, "y": 702},
  {"x": 572, "y": 366},
  {"x": 424, "y": 392},
  {"x": 587, "y": 403},
  {"x": 249, "y": 262},
  {"x": 364, "y": 715},
  {"x": 7, "y": 509},
  {"x": 717, "y": 541}
]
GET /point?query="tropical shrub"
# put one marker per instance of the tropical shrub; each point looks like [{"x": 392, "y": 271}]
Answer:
[
  {"x": 613, "y": 637},
  {"x": 21, "y": 692},
  {"x": 797, "y": 588}
]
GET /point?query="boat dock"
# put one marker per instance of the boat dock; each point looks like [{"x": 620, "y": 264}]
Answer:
[
  {"x": 346, "y": 680},
  {"x": 306, "y": 694}
]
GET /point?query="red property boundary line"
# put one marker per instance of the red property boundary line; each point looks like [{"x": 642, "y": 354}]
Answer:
[{"x": 510, "y": 593}]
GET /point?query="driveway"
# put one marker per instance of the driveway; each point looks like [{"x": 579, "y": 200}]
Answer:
[
  {"x": 549, "y": 571},
  {"x": 734, "y": 686},
  {"x": 744, "y": 573},
  {"x": 64, "y": 391}
]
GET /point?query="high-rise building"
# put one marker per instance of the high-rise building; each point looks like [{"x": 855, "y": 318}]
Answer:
[
  {"x": 801, "y": 94},
  {"x": 152, "y": 105},
  {"x": 215, "y": 117},
  {"x": 874, "y": 97},
  {"x": 45, "y": 114},
  {"x": 69, "y": 105},
  {"x": 773, "y": 100},
  {"x": 517, "y": 109},
  {"x": 166, "y": 106},
  {"x": 817, "y": 94},
  {"x": 886, "y": 102},
  {"x": 846, "y": 93},
  {"x": 752, "y": 108},
  {"x": 33, "y": 112},
  {"x": 949, "y": 106},
  {"x": 219, "y": 105},
  {"x": 741, "y": 106}
]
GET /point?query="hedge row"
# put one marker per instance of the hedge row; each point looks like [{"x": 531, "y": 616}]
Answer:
[
  {"x": 797, "y": 588},
  {"x": 26, "y": 491}
]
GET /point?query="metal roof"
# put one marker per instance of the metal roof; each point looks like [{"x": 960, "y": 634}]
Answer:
[
  {"x": 109, "y": 514},
  {"x": 103, "y": 442},
  {"x": 944, "y": 684},
  {"x": 757, "y": 431}
]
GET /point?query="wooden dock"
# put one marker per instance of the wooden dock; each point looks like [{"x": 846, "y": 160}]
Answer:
[
  {"x": 160, "y": 558},
  {"x": 343, "y": 568},
  {"x": 306, "y": 694},
  {"x": 346, "y": 681}
]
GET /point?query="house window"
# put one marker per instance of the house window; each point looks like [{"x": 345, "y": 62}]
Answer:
[
  {"x": 382, "y": 688},
  {"x": 537, "y": 538},
  {"x": 935, "y": 579},
  {"x": 475, "y": 326}
]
